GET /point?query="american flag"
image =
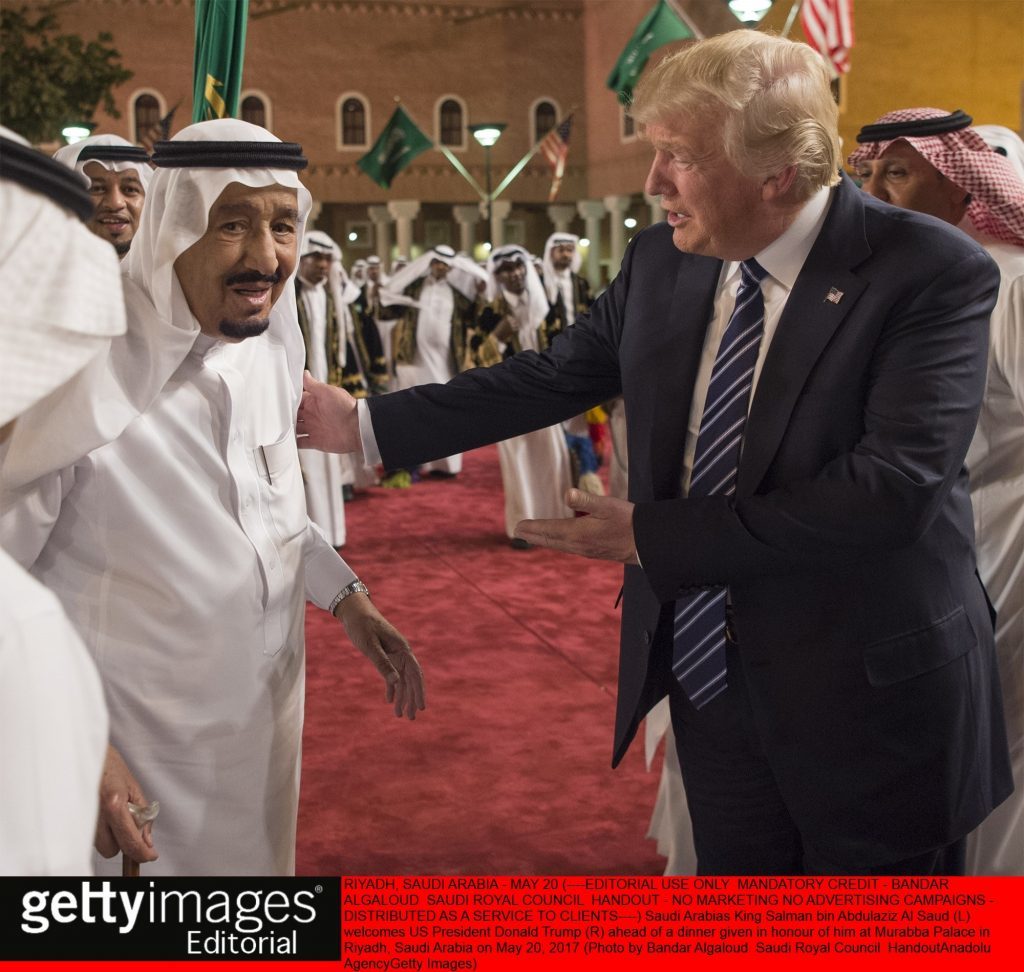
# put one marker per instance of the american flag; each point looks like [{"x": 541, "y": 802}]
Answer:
[
  {"x": 555, "y": 148},
  {"x": 159, "y": 131},
  {"x": 828, "y": 27}
]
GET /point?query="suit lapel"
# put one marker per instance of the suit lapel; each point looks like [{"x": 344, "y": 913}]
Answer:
[{"x": 825, "y": 291}]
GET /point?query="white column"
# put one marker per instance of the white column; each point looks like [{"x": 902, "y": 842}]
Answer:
[
  {"x": 592, "y": 211},
  {"x": 404, "y": 212},
  {"x": 654, "y": 203},
  {"x": 381, "y": 232},
  {"x": 561, "y": 216},
  {"x": 467, "y": 217},
  {"x": 616, "y": 206},
  {"x": 500, "y": 209}
]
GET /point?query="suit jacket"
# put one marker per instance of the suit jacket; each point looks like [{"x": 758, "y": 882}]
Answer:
[{"x": 848, "y": 547}]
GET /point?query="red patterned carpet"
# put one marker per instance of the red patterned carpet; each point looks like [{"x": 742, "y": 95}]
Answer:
[{"x": 508, "y": 770}]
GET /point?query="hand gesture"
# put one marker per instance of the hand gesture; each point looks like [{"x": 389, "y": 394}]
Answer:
[
  {"x": 389, "y": 652},
  {"x": 605, "y": 532}
]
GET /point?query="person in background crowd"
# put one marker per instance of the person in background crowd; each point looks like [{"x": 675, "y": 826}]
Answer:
[
  {"x": 934, "y": 162},
  {"x": 535, "y": 466},
  {"x": 434, "y": 299},
  {"x": 569, "y": 296},
  {"x": 117, "y": 173}
]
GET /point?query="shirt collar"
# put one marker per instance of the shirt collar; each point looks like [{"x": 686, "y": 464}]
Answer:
[{"x": 784, "y": 257}]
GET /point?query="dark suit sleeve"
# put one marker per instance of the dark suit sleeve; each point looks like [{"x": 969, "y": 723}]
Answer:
[
  {"x": 525, "y": 392},
  {"x": 917, "y": 407}
]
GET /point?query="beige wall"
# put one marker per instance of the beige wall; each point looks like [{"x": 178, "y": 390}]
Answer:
[{"x": 930, "y": 53}]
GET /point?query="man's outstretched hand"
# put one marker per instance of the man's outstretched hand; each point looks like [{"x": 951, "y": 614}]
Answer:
[
  {"x": 604, "y": 533},
  {"x": 328, "y": 419}
]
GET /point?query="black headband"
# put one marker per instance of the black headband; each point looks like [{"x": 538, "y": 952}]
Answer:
[
  {"x": 920, "y": 127},
  {"x": 229, "y": 155},
  {"x": 508, "y": 253},
  {"x": 113, "y": 153},
  {"x": 44, "y": 175}
]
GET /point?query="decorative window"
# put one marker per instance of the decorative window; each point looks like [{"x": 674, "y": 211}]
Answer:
[
  {"x": 146, "y": 114},
  {"x": 545, "y": 117},
  {"x": 451, "y": 128},
  {"x": 355, "y": 122},
  {"x": 253, "y": 109}
]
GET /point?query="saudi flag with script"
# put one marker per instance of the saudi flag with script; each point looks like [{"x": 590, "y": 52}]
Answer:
[
  {"x": 399, "y": 143},
  {"x": 659, "y": 27},
  {"x": 220, "y": 51}
]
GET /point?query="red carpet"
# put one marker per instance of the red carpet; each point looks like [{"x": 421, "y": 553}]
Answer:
[{"x": 508, "y": 770}]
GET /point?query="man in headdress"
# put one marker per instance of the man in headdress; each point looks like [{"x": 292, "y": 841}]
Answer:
[
  {"x": 934, "y": 162},
  {"x": 535, "y": 467},
  {"x": 53, "y": 720},
  {"x": 118, "y": 174},
  {"x": 569, "y": 296},
  {"x": 434, "y": 300},
  {"x": 324, "y": 296},
  {"x": 799, "y": 573},
  {"x": 182, "y": 550},
  {"x": 367, "y": 308}
]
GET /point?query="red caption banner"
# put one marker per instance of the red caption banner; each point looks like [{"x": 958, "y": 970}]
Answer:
[{"x": 445, "y": 924}]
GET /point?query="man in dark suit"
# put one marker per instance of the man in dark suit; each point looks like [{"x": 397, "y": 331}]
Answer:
[{"x": 799, "y": 580}]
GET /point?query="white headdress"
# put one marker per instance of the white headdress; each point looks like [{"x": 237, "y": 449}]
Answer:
[
  {"x": 198, "y": 164},
  {"x": 534, "y": 288},
  {"x": 111, "y": 151},
  {"x": 557, "y": 239},
  {"x": 1006, "y": 142},
  {"x": 462, "y": 275},
  {"x": 62, "y": 290},
  {"x": 343, "y": 290}
]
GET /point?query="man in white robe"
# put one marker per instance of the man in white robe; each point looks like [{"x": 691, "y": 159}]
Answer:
[
  {"x": 182, "y": 550},
  {"x": 53, "y": 720},
  {"x": 933, "y": 162},
  {"x": 569, "y": 296},
  {"x": 535, "y": 468},
  {"x": 435, "y": 300},
  {"x": 325, "y": 323},
  {"x": 117, "y": 174}
]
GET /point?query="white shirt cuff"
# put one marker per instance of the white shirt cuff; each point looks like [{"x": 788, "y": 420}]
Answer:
[{"x": 371, "y": 454}]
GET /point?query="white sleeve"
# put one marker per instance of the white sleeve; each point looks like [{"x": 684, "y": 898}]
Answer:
[
  {"x": 326, "y": 572},
  {"x": 371, "y": 454}
]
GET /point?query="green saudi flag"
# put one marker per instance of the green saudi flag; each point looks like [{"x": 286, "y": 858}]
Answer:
[
  {"x": 220, "y": 51},
  {"x": 659, "y": 27},
  {"x": 399, "y": 143}
]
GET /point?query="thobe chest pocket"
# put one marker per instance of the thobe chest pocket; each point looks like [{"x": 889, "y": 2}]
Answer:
[{"x": 281, "y": 485}]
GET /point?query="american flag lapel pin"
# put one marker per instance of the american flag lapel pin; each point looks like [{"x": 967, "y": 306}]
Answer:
[{"x": 834, "y": 295}]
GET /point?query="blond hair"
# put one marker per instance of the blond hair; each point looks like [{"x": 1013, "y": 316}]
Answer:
[{"x": 773, "y": 96}]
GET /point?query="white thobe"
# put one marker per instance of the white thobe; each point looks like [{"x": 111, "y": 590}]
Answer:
[
  {"x": 995, "y": 461},
  {"x": 323, "y": 473},
  {"x": 433, "y": 359},
  {"x": 53, "y": 733},
  {"x": 181, "y": 552},
  {"x": 577, "y": 425},
  {"x": 535, "y": 469}
]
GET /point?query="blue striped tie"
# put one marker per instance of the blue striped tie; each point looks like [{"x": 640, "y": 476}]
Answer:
[{"x": 698, "y": 634}]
